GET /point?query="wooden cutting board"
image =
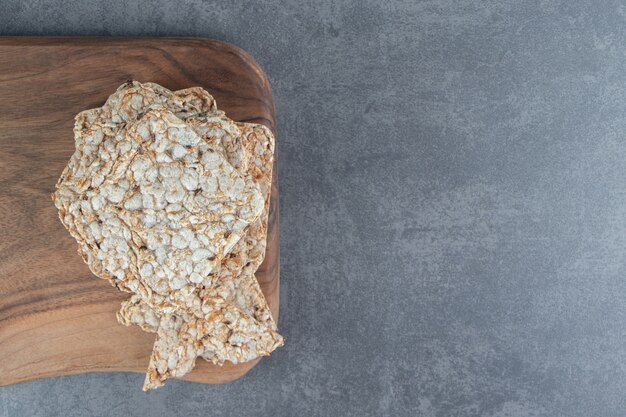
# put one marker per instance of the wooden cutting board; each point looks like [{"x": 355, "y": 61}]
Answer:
[{"x": 56, "y": 318}]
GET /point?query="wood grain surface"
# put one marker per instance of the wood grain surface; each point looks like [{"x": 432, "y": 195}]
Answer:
[{"x": 57, "y": 318}]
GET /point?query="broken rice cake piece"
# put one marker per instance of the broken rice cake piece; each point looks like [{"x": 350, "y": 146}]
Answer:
[{"x": 168, "y": 200}]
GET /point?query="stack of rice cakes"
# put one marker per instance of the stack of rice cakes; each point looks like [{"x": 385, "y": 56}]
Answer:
[{"x": 168, "y": 199}]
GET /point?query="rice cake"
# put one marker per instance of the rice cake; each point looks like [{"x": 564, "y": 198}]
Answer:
[{"x": 168, "y": 200}]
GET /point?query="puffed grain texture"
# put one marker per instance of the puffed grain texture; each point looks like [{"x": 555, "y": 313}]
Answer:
[{"x": 168, "y": 200}]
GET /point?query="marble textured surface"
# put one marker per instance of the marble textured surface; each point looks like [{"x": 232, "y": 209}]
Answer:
[{"x": 453, "y": 176}]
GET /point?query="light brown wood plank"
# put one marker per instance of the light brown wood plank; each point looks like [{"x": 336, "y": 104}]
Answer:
[{"x": 56, "y": 318}]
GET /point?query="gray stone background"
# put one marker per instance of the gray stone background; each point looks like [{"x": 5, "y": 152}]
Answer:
[{"x": 453, "y": 182}]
